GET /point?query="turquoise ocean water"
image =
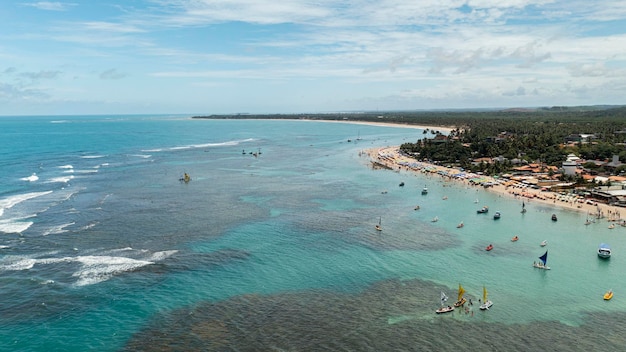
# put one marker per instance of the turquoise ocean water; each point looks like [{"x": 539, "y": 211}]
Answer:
[{"x": 102, "y": 248}]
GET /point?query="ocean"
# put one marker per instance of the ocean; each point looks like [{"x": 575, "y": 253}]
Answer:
[{"x": 271, "y": 246}]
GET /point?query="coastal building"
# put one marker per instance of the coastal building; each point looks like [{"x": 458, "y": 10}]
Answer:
[{"x": 570, "y": 165}]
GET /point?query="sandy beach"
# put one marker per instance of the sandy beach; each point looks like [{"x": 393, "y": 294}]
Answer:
[{"x": 391, "y": 158}]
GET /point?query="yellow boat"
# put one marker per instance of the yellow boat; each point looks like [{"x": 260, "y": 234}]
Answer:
[{"x": 608, "y": 295}]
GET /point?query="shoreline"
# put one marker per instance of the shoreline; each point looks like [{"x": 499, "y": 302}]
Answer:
[{"x": 391, "y": 158}]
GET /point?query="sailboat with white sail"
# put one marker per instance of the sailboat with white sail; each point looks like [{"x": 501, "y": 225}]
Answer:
[
  {"x": 542, "y": 264},
  {"x": 444, "y": 308},
  {"x": 486, "y": 302}
]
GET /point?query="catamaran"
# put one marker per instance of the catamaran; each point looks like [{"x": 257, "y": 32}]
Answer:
[
  {"x": 542, "y": 263},
  {"x": 444, "y": 308},
  {"x": 486, "y": 303},
  {"x": 460, "y": 299}
]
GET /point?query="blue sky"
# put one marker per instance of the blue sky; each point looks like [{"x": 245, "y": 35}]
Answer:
[{"x": 291, "y": 56}]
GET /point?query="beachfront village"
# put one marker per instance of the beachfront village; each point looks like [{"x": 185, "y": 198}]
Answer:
[
  {"x": 531, "y": 155},
  {"x": 572, "y": 180}
]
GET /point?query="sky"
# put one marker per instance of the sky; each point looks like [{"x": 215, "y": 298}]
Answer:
[{"x": 308, "y": 56}]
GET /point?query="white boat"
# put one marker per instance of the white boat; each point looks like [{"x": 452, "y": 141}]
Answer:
[
  {"x": 424, "y": 190},
  {"x": 486, "y": 303},
  {"x": 543, "y": 243},
  {"x": 604, "y": 251},
  {"x": 542, "y": 264},
  {"x": 435, "y": 219},
  {"x": 444, "y": 308},
  {"x": 460, "y": 225}
]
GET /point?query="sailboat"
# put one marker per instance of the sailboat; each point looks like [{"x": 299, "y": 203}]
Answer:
[
  {"x": 523, "y": 207},
  {"x": 444, "y": 309},
  {"x": 486, "y": 303},
  {"x": 378, "y": 227},
  {"x": 542, "y": 263},
  {"x": 460, "y": 299}
]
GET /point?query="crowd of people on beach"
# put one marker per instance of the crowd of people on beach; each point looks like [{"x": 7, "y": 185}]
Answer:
[{"x": 391, "y": 158}]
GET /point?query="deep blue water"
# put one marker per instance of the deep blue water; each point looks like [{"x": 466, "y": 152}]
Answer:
[{"x": 103, "y": 248}]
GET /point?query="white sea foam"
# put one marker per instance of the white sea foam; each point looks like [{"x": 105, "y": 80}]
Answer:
[
  {"x": 66, "y": 167},
  {"x": 31, "y": 178},
  {"x": 92, "y": 156},
  {"x": 61, "y": 179},
  {"x": 144, "y": 156},
  {"x": 95, "y": 269},
  {"x": 57, "y": 229},
  {"x": 14, "y": 226},
  {"x": 15, "y": 264},
  {"x": 84, "y": 172},
  {"x": 10, "y": 201}
]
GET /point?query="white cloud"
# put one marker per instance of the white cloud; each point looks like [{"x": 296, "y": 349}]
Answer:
[{"x": 50, "y": 6}]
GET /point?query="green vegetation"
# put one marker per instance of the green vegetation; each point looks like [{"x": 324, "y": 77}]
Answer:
[{"x": 543, "y": 136}]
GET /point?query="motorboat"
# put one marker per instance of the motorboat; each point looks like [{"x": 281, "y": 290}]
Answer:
[
  {"x": 424, "y": 191},
  {"x": 604, "y": 251},
  {"x": 460, "y": 225},
  {"x": 483, "y": 210},
  {"x": 497, "y": 215},
  {"x": 608, "y": 295},
  {"x": 543, "y": 243},
  {"x": 554, "y": 217},
  {"x": 435, "y": 219}
]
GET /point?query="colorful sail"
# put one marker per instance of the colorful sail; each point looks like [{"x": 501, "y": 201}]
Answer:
[
  {"x": 484, "y": 294},
  {"x": 461, "y": 292},
  {"x": 544, "y": 258}
]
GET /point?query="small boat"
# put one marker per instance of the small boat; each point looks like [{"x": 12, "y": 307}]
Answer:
[
  {"x": 401, "y": 184},
  {"x": 476, "y": 201},
  {"x": 424, "y": 190},
  {"x": 460, "y": 299},
  {"x": 444, "y": 309},
  {"x": 544, "y": 243},
  {"x": 444, "y": 197},
  {"x": 497, "y": 215},
  {"x": 489, "y": 247},
  {"x": 483, "y": 210},
  {"x": 486, "y": 303},
  {"x": 378, "y": 227},
  {"x": 604, "y": 251},
  {"x": 612, "y": 226},
  {"x": 417, "y": 207},
  {"x": 186, "y": 178},
  {"x": 460, "y": 225},
  {"x": 514, "y": 239},
  {"x": 542, "y": 263},
  {"x": 554, "y": 217},
  {"x": 523, "y": 207},
  {"x": 608, "y": 295},
  {"x": 435, "y": 219}
]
